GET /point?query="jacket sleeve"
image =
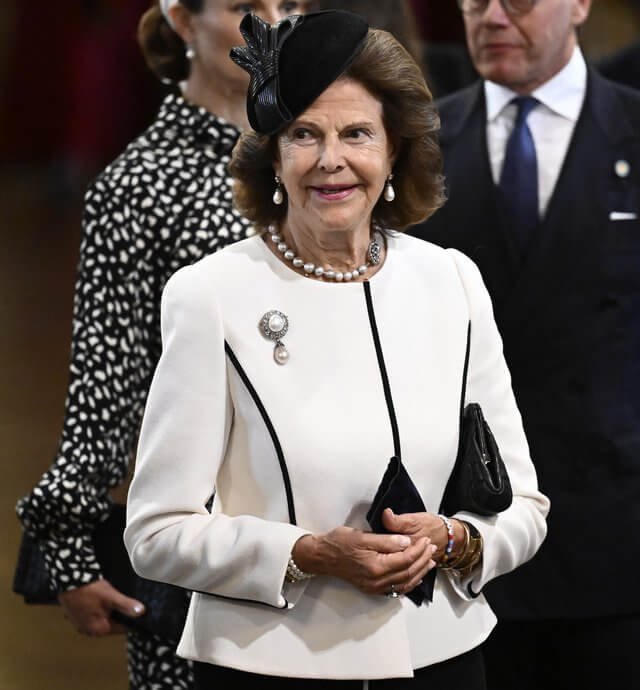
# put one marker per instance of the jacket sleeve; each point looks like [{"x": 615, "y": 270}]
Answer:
[
  {"x": 170, "y": 535},
  {"x": 113, "y": 351},
  {"x": 512, "y": 537}
]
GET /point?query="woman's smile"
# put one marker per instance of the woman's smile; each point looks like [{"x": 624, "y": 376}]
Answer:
[{"x": 334, "y": 192}]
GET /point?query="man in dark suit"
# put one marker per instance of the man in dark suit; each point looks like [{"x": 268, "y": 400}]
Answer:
[{"x": 544, "y": 195}]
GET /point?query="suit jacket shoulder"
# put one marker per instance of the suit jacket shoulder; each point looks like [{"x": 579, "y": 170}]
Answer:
[
  {"x": 624, "y": 66},
  {"x": 456, "y": 108},
  {"x": 616, "y": 108}
]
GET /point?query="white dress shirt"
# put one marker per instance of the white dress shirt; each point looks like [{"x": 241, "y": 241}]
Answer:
[
  {"x": 202, "y": 427},
  {"x": 551, "y": 123}
]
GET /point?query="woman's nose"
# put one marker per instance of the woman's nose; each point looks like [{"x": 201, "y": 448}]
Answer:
[
  {"x": 331, "y": 155},
  {"x": 271, "y": 14}
]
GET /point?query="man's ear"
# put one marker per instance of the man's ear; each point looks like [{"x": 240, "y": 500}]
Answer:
[
  {"x": 183, "y": 22},
  {"x": 580, "y": 12}
]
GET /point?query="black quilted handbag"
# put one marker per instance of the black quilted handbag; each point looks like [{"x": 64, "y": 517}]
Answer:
[
  {"x": 479, "y": 482},
  {"x": 166, "y": 605}
]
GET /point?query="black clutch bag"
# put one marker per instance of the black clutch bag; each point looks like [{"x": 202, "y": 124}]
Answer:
[
  {"x": 166, "y": 605},
  {"x": 398, "y": 492},
  {"x": 479, "y": 482}
]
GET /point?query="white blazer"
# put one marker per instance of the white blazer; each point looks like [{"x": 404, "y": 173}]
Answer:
[{"x": 309, "y": 442}]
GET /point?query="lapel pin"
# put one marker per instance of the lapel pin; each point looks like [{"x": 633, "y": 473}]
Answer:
[
  {"x": 274, "y": 326},
  {"x": 622, "y": 168}
]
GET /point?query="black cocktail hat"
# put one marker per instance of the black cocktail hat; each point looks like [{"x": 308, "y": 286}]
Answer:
[{"x": 293, "y": 62}]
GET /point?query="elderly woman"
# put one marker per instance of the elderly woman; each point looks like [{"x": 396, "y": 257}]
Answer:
[
  {"x": 164, "y": 203},
  {"x": 295, "y": 363}
]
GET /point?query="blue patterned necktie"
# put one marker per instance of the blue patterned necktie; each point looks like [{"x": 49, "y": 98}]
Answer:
[{"x": 519, "y": 178}]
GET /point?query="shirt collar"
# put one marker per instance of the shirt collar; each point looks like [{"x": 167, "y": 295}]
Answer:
[
  {"x": 563, "y": 93},
  {"x": 197, "y": 122}
]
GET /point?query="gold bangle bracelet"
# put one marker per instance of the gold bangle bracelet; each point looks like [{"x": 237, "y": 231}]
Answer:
[
  {"x": 470, "y": 556},
  {"x": 474, "y": 556}
]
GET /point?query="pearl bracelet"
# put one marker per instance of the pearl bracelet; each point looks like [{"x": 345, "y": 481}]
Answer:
[
  {"x": 294, "y": 574},
  {"x": 450, "y": 534}
]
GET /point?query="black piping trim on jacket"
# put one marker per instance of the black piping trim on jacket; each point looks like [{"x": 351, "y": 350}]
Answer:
[
  {"x": 383, "y": 370},
  {"x": 270, "y": 429},
  {"x": 244, "y": 601}
]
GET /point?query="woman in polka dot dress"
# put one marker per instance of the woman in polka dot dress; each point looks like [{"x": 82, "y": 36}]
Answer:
[{"x": 165, "y": 202}]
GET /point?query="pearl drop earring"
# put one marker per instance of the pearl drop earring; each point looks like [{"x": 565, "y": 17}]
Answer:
[
  {"x": 278, "y": 196},
  {"x": 389, "y": 191},
  {"x": 190, "y": 52}
]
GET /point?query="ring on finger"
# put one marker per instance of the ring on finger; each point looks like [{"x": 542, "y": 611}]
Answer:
[{"x": 393, "y": 594}]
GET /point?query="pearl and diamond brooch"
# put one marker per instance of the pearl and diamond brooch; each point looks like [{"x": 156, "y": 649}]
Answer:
[{"x": 274, "y": 326}]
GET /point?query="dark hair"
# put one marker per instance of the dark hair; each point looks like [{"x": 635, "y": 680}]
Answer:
[
  {"x": 411, "y": 121},
  {"x": 161, "y": 46},
  {"x": 395, "y": 16}
]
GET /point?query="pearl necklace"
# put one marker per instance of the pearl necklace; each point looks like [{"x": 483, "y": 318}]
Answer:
[{"x": 374, "y": 252}]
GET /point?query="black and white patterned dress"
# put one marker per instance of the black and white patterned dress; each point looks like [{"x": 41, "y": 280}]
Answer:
[{"x": 165, "y": 202}]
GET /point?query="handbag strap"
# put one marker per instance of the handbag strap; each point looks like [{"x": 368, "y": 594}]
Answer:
[
  {"x": 383, "y": 370},
  {"x": 463, "y": 392}
]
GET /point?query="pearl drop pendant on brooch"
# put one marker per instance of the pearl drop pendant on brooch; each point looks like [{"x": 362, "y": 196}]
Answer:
[{"x": 274, "y": 325}]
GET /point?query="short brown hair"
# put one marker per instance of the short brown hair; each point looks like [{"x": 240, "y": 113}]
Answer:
[
  {"x": 411, "y": 120},
  {"x": 162, "y": 48}
]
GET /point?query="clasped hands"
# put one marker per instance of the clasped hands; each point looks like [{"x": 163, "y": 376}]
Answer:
[{"x": 377, "y": 563}]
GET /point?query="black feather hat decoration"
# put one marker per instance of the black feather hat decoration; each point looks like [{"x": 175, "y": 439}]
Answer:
[{"x": 291, "y": 63}]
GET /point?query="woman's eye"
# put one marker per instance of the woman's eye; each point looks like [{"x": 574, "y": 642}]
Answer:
[
  {"x": 357, "y": 133},
  {"x": 243, "y": 8},
  {"x": 301, "y": 134},
  {"x": 304, "y": 6},
  {"x": 290, "y": 7}
]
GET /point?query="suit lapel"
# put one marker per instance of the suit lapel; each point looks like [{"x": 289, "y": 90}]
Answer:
[{"x": 477, "y": 225}]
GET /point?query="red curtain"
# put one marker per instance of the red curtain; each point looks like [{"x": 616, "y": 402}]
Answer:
[{"x": 77, "y": 84}]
